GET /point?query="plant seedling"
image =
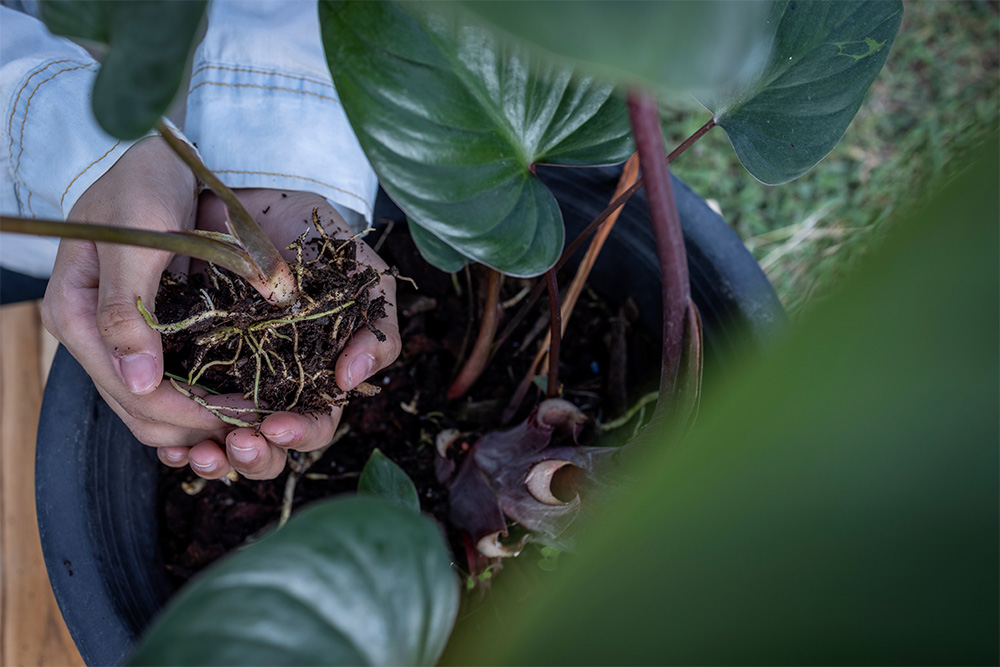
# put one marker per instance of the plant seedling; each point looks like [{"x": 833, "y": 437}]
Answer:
[
  {"x": 455, "y": 116},
  {"x": 251, "y": 323}
]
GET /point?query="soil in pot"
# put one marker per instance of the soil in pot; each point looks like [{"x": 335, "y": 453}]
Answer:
[
  {"x": 607, "y": 364},
  {"x": 97, "y": 498}
]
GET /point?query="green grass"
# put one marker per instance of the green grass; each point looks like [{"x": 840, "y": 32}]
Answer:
[{"x": 937, "y": 97}]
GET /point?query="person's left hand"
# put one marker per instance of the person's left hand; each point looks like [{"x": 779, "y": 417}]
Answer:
[{"x": 261, "y": 453}]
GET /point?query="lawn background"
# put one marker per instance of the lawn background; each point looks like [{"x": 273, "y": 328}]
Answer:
[{"x": 937, "y": 97}]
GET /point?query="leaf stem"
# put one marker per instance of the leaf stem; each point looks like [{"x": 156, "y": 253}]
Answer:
[
  {"x": 184, "y": 243},
  {"x": 555, "y": 324},
  {"x": 645, "y": 120},
  {"x": 687, "y": 143},
  {"x": 274, "y": 281},
  {"x": 476, "y": 362},
  {"x": 611, "y": 213},
  {"x": 536, "y": 293},
  {"x": 629, "y": 175}
]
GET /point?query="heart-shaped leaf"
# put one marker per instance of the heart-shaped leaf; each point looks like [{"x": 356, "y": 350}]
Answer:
[
  {"x": 436, "y": 251},
  {"x": 353, "y": 581},
  {"x": 382, "y": 477},
  {"x": 453, "y": 118},
  {"x": 150, "y": 44},
  {"x": 824, "y": 56},
  {"x": 676, "y": 47}
]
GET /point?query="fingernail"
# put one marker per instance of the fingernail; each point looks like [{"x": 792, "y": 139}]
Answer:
[
  {"x": 139, "y": 372},
  {"x": 202, "y": 467},
  {"x": 173, "y": 457},
  {"x": 359, "y": 369},
  {"x": 243, "y": 454},
  {"x": 282, "y": 438}
]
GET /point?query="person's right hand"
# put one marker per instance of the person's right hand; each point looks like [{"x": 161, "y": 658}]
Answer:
[{"x": 90, "y": 303}]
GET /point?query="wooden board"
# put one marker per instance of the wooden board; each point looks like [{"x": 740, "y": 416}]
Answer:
[{"x": 32, "y": 631}]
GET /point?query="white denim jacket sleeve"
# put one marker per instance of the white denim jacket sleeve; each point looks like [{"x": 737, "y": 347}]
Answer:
[
  {"x": 261, "y": 109},
  {"x": 54, "y": 148}
]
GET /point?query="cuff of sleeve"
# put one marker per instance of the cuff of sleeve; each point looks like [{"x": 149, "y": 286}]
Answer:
[{"x": 256, "y": 128}]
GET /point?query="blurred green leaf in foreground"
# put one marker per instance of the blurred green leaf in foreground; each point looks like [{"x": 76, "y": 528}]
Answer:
[{"x": 838, "y": 503}]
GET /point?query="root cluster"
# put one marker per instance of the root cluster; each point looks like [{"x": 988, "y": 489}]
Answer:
[{"x": 219, "y": 333}]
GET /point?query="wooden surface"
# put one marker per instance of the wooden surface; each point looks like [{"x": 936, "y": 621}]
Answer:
[{"x": 32, "y": 631}]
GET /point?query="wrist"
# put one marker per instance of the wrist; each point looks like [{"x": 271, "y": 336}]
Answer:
[{"x": 149, "y": 186}]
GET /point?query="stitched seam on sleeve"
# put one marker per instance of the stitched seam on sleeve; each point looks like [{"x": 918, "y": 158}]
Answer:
[
  {"x": 361, "y": 199},
  {"x": 13, "y": 112},
  {"x": 24, "y": 119},
  {"x": 253, "y": 85},
  {"x": 252, "y": 70},
  {"x": 17, "y": 98},
  {"x": 63, "y": 197}
]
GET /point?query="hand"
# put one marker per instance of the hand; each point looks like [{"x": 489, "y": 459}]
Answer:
[
  {"x": 90, "y": 303},
  {"x": 245, "y": 449},
  {"x": 90, "y": 307}
]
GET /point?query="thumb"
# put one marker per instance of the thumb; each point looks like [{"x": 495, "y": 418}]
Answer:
[
  {"x": 366, "y": 354},
  {"x": 127, "y": 274}
]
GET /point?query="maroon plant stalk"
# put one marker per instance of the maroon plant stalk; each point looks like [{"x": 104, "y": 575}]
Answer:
[
  {"x": 476, "y": 362},
  {"x": 555, "y": 323},
  {"x": 645, "y": 119},
  {"x": 687, "y": 143}
]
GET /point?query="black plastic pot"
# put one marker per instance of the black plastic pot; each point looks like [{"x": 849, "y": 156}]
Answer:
[{"x": 96, "y": 486}]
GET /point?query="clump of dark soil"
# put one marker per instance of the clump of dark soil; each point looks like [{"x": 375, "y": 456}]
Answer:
[
  {"x": 607, "y": 363},
  {"x": 233, "y": 340}
]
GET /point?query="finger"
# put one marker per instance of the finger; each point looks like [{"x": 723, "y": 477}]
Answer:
[
  {"x": 69, "y": 313},
  {"x": 189, "y": 423},
  {"x": 303, "y": 433},
  {"x": 208, "y": 460},
  {"x": 251, "y": 455},
  {"x": 365, "y": 354},
  {"x": 128, "y": 274},
  {"x": 148, "y": 188},
  {"x": 174, "y": 457}
]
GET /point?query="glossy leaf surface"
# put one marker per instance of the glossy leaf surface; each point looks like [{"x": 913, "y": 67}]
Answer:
[
  {"x": 824, "y": 56},
  {"x": 453, "y": 119},
  {"x": 352, "y": 581},
  {"x": 381, "y": 477},
  {"x": 677, "y": 47},
  {"x": 436, "y": 251},
  {"x": 150, "y": 40},
  {"x": 837, "y": 501}
]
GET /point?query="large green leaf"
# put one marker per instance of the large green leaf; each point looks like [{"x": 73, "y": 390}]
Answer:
[
  {"x": 382, "y": 477},
  {"x": 823, "y": 58},
  {"x": 838, "y": 502},
  {"x": 150, "y": 40},
  {"x": 354, "y": 581},
  {"x": 678, "y": 46},
  {"x": 85, "y": 19},
  {"x": 453, "y": 119},
  {"x": 436, "y": 251}
]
